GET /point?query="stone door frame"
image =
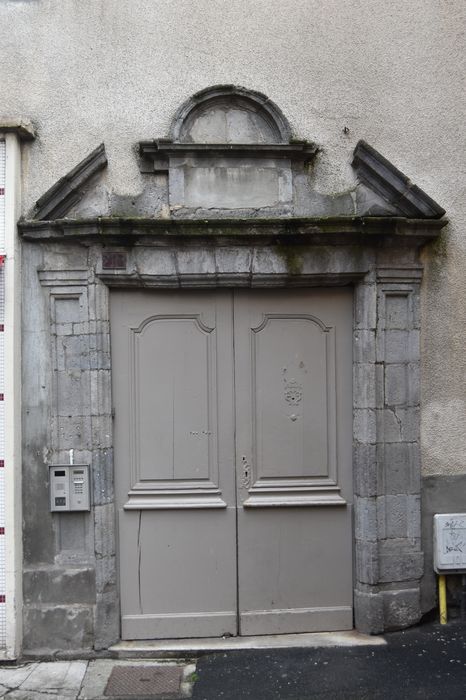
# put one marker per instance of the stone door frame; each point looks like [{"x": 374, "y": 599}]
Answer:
[{"x": 380, "y": 258}]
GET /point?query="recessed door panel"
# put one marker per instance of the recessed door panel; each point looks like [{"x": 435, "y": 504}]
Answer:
[{"x": 292, "y": 393}]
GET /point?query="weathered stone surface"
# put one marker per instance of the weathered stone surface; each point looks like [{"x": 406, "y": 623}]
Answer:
[
  {"x": 364, "y": 346},
  {"x": 365, "y": 469},
  {"x": 102, "y": 475},
  {"x": 365, "y": 425},
  {"x": 365, "y": 307},
  {"x": 398, "y": 516},
  {"x": 401, "y": 608},
  {"x": 401, "y": 566},
  {"x": 59, "y": 586},
  {"x": 54, "y": 627},
  {"x": 364, "y": 385},
  {"x": 399, "y": 468},
  {"x": 367, "y": 562},
  {"x": 107, "y": 622},
  {"x": 369, "y": 612},
  {"x": 365, "y": 519},
  {"x": 402, "y": 384}
]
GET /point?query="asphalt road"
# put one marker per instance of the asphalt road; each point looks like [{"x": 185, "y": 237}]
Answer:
[{"x": 425, "y": 662}]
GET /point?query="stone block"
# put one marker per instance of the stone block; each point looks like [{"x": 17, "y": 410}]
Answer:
[
  {"x": 367, "y": 562},
  {"x": 68, "y": 586},
  {"x": 38, "y": 542},
  {"x": 73, "y": 393},
  {"x": 395, "y": 346},
  {"x": 365, "y": 307},
  {"x": 364, "y": 389},
  {"x": 266, "y": 262},
  {"x": 106, "y": 576},
  {"x": 402, "y": 384},
  {"x": 155, "y": 262},
  {"x": 107, "y": 621},
  {"x": 392, "y": 516},
  {"x": 365, "y": 519},
  {"x": 368, "y": 612},
  {"x": 68, "y": 309},
  {"x": 102, "y": 476},
  {"x": 63, "y": 329},
  {"x": 400, "y": 565},
  {"x": 364, "y": 425},
  {"x": 98, "y": 301},
  {"x": 49, "y": 628},
  {"x": 397, "y": 311},
  {"x": 410, "y": 423},
  {"x": 74, "y": 536},
  {"x": 72, "y": 353},
  {"x": 401, "y": 608},
  {"x": 365, "y": 469},
  {"x": 399, "y": 468},
  {"x": 398, "y": 424},
  {"x": 101, "y": 427},
  {"x": 235, "y": 186},
  {"x": 74, "y": 432},
  {"x": 363, "y": 346},
  {"x": 104, "y": 524},
  {"x": 100, "y": 392},
  {"x": 195, "y": 261},
  {"x": 389, "y": 425},
  {"x": 233, "y": 261}
]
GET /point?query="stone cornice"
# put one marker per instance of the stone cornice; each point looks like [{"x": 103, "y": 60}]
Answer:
[
  {"x": 308, "y": 231},
  {"x": 155, "y": 154}
]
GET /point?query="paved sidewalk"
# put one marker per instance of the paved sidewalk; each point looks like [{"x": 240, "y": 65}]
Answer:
[{"x": 427, "y": 662}]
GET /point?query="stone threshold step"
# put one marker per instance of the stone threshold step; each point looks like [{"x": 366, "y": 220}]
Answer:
[{"x": 191, "y": 648}]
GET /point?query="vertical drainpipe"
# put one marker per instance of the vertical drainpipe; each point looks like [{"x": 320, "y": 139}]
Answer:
[{"x": 12, "y": 133}]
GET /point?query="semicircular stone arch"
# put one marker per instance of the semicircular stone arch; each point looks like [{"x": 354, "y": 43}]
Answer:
[{"x": 229, "y": 114}]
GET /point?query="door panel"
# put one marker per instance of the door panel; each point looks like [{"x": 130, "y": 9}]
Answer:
[
  {"x": 293, "y": 377},
  {"x": 174, "y": 462}
]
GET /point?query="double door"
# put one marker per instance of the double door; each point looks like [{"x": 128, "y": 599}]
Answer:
[{"x": 233, "y": 433}]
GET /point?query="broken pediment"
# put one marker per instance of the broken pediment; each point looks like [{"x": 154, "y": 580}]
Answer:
[
  {"x": 71, "y": 188},
  {"x": 382, "y": 178},
  {"x": 230, "y": 154}
]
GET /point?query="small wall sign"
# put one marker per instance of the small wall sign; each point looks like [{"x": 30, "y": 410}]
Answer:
[
  {"x": 113, "y": 261},
  {"x": 450, "y": 542}
]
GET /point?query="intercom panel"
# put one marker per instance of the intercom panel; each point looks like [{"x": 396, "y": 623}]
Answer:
[{"x": 69, "y": 487}]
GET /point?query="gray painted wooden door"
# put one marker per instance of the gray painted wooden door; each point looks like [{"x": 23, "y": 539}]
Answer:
[{"x": 206, "y": 381}]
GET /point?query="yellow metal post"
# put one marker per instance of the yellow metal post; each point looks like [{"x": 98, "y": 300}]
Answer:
[{"x": 442, "y": 598}]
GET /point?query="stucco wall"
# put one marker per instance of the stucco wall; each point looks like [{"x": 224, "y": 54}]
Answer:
[{"x": 392, "y": 73}]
